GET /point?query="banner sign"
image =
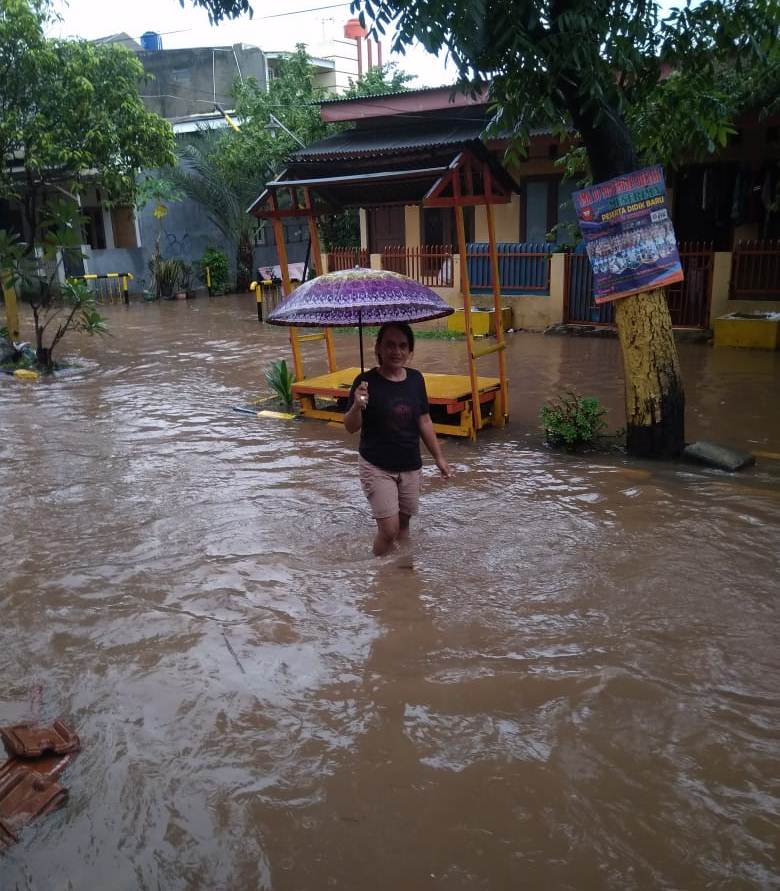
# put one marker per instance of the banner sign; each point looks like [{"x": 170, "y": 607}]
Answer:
[{"x": 628, "y": 234}]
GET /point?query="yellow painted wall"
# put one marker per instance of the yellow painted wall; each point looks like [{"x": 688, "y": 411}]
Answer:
[
  {"x": 412, "y": 224},
  {"x": 721, "y": 305},
  {"x": 507, "y": 220},
  {"x": 530, "y": 311}
]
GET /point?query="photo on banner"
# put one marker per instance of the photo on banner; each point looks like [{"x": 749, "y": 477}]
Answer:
[{"x": 628, "y": 234}]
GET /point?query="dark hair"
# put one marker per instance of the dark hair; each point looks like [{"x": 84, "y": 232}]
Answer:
[{"x": 405, "y": 329}]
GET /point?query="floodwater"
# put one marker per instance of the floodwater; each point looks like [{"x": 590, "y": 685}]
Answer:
[{"x": 574, "y": 686}]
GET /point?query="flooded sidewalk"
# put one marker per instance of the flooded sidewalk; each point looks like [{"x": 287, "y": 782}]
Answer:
[{"x": 575, "y": 685}]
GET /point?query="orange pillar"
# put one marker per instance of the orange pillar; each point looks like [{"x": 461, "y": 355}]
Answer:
[
  {"x": 499, "y": 317},
  {"x": 281, "y": 251},
  {"x": 316, "y": 252}
]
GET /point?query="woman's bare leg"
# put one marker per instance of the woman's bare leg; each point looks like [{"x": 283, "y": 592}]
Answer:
[
  {"x": 386, "y": 534},
  {"x": 403, "y": 527}
]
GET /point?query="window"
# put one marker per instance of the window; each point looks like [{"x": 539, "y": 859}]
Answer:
[
  {"x": 439, "y": 227},
  {"x": 94, "y": 230},
  {"x": 546, "y": 204},
  {"x": 123, "y": 225}
]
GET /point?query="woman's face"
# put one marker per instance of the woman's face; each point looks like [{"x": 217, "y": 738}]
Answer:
[{"x": 393, "y": 350}]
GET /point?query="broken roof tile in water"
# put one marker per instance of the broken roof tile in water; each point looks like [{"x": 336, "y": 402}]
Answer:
[
  {"x": 32, "y": 741},
  {"x": 28, "y": 779}
]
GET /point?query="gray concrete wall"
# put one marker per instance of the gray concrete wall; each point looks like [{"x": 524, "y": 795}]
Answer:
[
  {"x": 297, "y": 237},
  {"x": 182, "y": 82},
  {"x": 119, "y": 260},
  {"x": 186, "y": 234}
]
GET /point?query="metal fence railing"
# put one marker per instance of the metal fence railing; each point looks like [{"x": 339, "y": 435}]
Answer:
[
  {"x": 522, "y": 267},
  {"x": 755, "y": 271},
  {"x": 430, "y": 264},
  {"x": 688, "y": 300},
  {"x": 109, "y": 287},
  {"x": 347, "y": 258}
]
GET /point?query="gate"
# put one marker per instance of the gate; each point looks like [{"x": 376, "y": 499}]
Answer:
[
  {"x": 688, "y": 300},
  {"x": 755, "y": 271}
]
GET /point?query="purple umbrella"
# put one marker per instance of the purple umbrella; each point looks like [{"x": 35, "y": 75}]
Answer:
[{"x": 359, "y": 297}]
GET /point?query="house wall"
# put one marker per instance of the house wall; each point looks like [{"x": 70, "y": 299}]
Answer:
[
  {"x": 412, "y": 225},
  {"x": 181, "y": 82},
  {"x": 506, "y": 218},
  {"x": 120, "y": 260},
  {"x": 720, "y": 304}
]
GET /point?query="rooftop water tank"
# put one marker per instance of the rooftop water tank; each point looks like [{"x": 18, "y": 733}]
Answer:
[
  {"x": 151, "y": 41},
  {"x": 353, "y": 30}
]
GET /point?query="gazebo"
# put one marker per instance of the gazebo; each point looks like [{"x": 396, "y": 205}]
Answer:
[{"x": 448, "y": 168}]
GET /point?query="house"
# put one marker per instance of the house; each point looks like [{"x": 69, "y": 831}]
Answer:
[
  {"x": 715, "y": 207},
  {"x": 186, "y": 86}
]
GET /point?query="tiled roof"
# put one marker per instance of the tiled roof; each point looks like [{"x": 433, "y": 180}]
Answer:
[
  {"x": 365, "y": 143},
  {"x": 383, "y": 95}
]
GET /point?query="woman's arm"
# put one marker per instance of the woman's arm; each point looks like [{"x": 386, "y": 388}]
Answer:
[
  {"x": 428, "y": 434},
  {"x": 353, "y": 418}
]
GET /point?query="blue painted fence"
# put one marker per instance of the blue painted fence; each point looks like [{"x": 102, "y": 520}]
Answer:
[
  {"x": 522, "y": 267},
  {"x": 579, "y": 305}
]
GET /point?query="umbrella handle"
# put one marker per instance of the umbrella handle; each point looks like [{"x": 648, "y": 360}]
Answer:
[{"x": 360, "y": 337}]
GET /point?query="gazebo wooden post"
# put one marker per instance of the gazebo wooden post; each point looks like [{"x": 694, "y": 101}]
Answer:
[
  {"x": 501, "y": 411},
  {"x": 281, "y": 251},
  {"x": 465, "y": 288},
  {"x": 316, "y": 253}
]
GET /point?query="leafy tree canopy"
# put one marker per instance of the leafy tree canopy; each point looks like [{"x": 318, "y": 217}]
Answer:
[
  {"x": 379, "y": 81},
  {"x": 70, "y": 110},
  {"x": 223, "y": 9},
  {"x": 600, "y": 65}
]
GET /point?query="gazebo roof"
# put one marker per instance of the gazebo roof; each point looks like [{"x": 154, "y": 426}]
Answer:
[{"x": 385, "y": 166}]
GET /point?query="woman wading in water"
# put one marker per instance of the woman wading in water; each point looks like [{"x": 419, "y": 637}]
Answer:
[{"x": 389, "y": 406}]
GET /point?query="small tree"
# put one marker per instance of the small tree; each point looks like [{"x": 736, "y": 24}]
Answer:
[{"x": 58, "y": 307}]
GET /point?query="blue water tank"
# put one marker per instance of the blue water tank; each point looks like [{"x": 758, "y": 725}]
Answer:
[{"x": 151, "y": 41}]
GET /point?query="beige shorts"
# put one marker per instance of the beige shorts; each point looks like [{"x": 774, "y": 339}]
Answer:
[{"x": 390, "y": 494}]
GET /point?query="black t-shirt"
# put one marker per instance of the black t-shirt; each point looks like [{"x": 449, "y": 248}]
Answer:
[{"x": 390, "y": 435}]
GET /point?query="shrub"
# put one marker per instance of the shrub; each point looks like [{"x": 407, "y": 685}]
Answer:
[
  {"x": 167, "y": 276},
  {"x": 572, "y": 420},
  {"x": 280, "y": 379},
  {"x": 217, "y": 264}
]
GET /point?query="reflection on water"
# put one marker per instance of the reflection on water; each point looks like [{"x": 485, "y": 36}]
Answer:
[{"x": 574, "y": 685}]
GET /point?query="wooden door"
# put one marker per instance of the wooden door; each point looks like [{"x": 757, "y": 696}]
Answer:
[{"x": 386, "y": 226}]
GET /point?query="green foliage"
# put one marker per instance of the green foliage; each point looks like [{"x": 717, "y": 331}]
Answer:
[
  {"x": 217, "y": 264},
  {"x": 57, "y": 308},
  {"x": 601, "y": 67},
  {"x": 571, "y": 420},
  {"x": 223, "y": 9},
  {"x": 280, "y": 379},
  {"x": 274, "y": 122},
  {"x": 203, "y": 177},
  {"x": 167, "y": 276},
  {"x": 379, "y": 81},
  {"x": 69, "y": 107},
  {"x": 339, "y": 230}
]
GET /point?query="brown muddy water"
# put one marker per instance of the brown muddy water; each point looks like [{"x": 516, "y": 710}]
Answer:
[{"x": 576, "y": 685}]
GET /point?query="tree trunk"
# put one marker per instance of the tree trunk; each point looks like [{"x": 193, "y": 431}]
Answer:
[
  {"x": 45, "y": 361},
  {"x": 655, "y": 401}
]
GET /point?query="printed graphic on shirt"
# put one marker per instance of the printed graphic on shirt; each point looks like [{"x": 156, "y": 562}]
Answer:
[{"x": 401, "y": 416}]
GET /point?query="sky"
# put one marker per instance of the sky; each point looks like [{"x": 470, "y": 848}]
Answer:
[{"x": 189, "y": 26}]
